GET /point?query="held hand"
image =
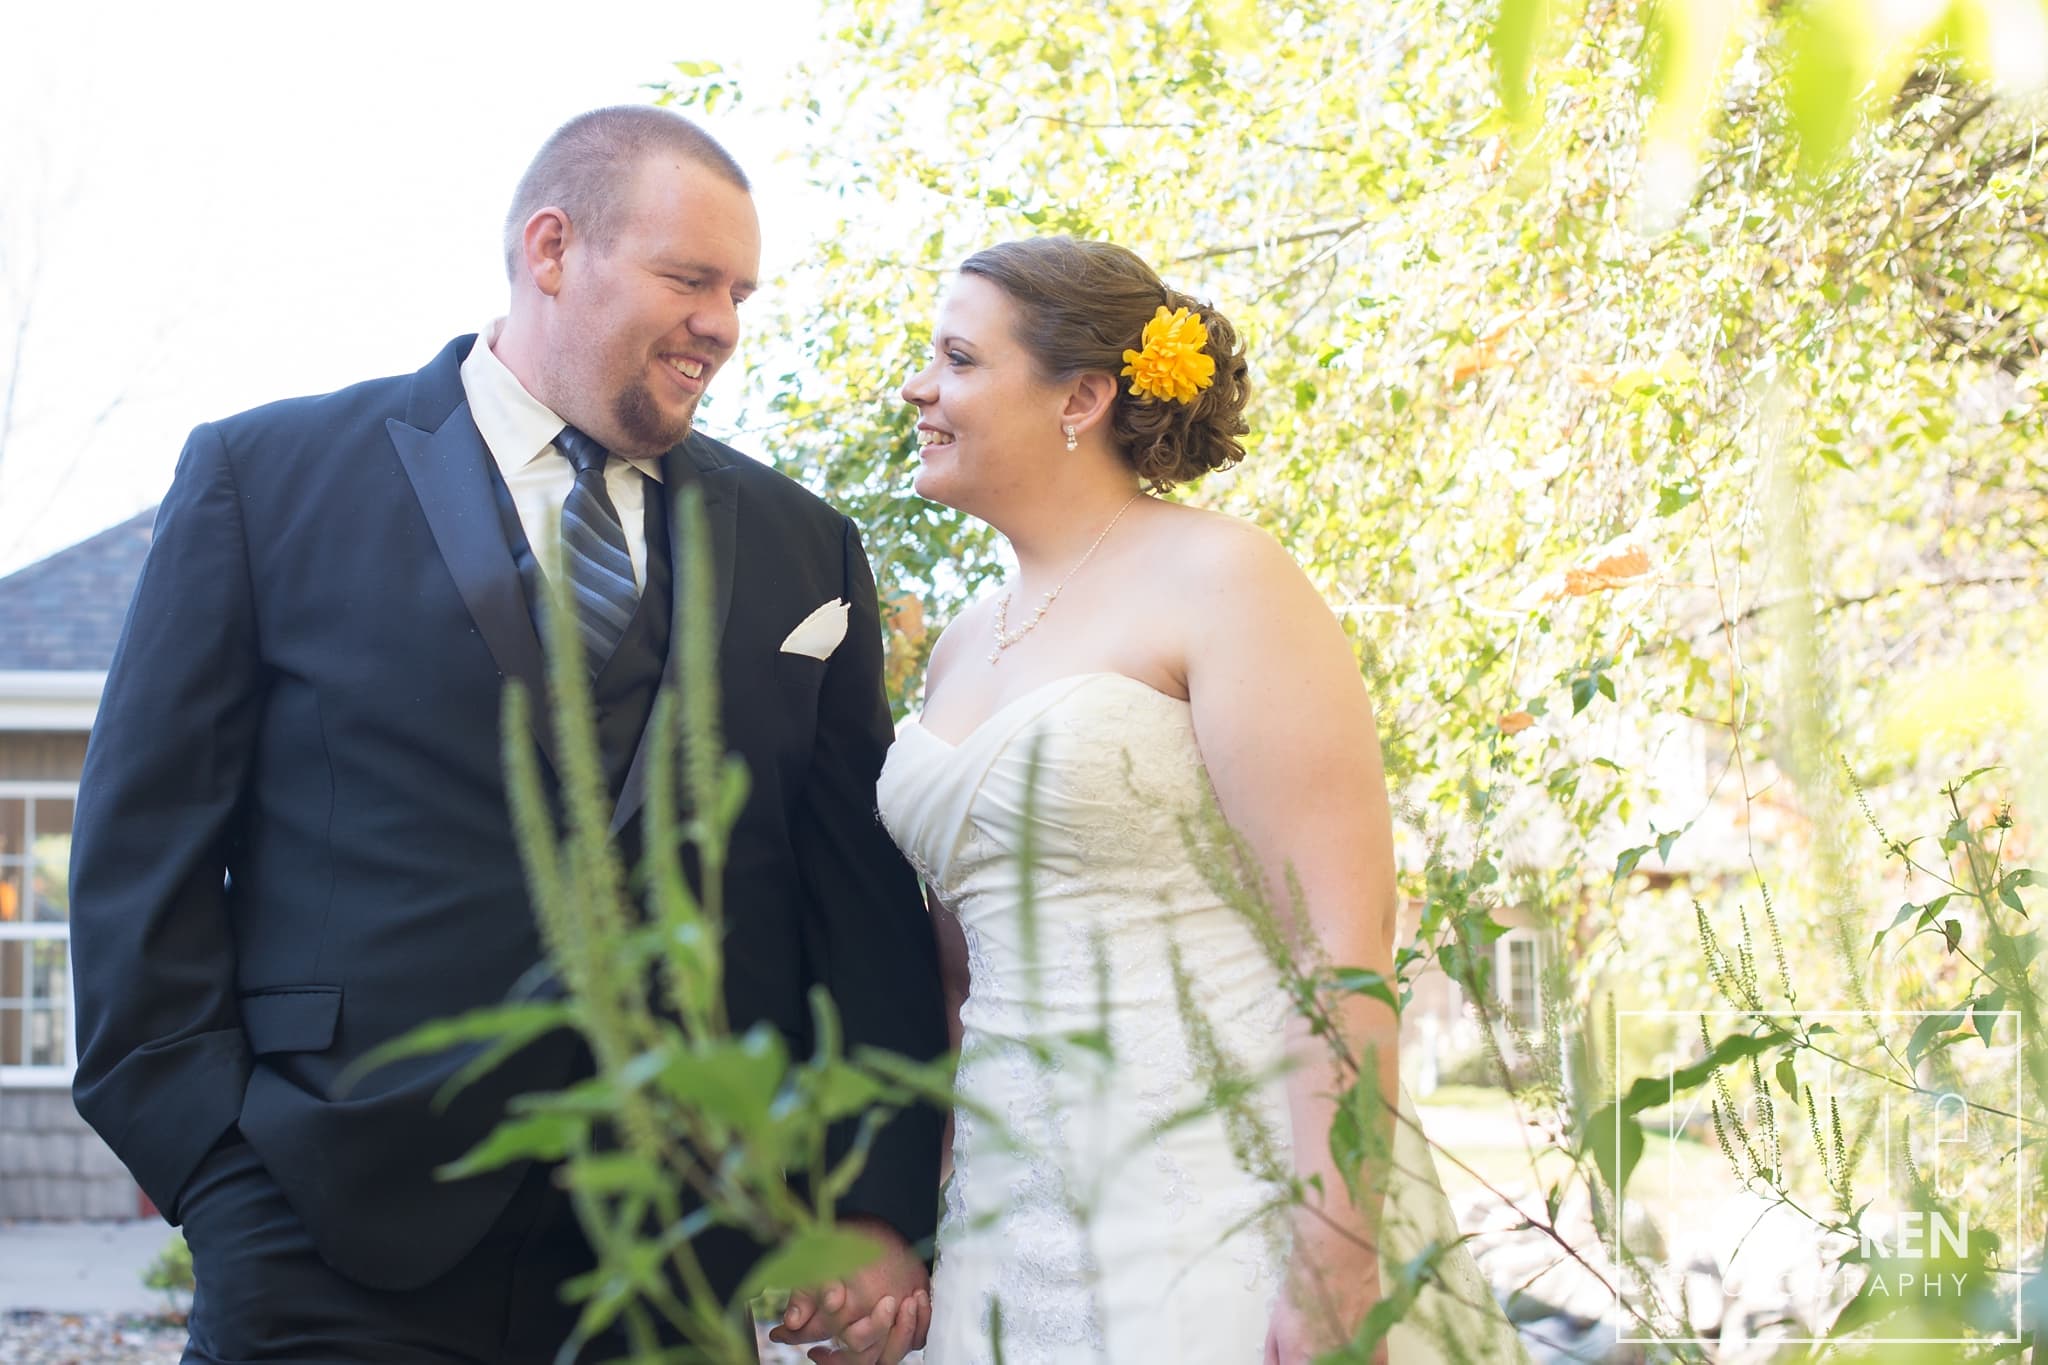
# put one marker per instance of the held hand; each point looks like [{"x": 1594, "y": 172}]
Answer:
[
  {"x": 893, "y": 1330},
  {"x": 808, "y": 1312},
  {"x": 873, "y": 1317}
]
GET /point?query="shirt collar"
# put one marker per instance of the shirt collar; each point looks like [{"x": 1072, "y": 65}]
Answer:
[{"x": 517, "y": 427}]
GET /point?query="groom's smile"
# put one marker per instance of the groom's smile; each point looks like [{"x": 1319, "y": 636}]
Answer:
[{"x": 689, "y": 374}]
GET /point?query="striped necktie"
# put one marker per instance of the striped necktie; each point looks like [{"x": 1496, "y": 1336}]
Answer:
[{"x": 594, "y": 551}]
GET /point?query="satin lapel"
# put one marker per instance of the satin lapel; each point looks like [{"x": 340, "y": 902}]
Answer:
[
  {"x": 720, "y": 486},
  {"x": 450, "y": 473}
]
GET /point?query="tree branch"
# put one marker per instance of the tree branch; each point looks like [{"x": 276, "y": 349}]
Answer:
[
  {"x": 1338, "y": 230},
  {"x": 1843, "y": 603}
]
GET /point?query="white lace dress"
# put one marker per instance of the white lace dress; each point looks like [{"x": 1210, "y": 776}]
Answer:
[{"x": 1102, "y": 1208}]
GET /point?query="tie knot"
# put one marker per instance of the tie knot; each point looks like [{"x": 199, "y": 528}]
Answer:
[{"x": 583, "y": 454}]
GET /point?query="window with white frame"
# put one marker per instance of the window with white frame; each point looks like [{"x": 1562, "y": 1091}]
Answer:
[
  {"x": 37, "y": 1046},
  {"x": 1517, "y": 968}
]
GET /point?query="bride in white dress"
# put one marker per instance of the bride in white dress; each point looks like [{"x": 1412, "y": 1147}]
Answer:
[{"x": 1103, "y": 1206}]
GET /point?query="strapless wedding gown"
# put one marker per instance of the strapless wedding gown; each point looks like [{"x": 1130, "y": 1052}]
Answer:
[{"x": 1101, "y": 1208}]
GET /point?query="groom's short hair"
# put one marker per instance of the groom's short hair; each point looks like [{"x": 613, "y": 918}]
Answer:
[{"x": 586, "y": 169}]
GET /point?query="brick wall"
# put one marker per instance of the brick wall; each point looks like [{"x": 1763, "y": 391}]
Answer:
[{"x": 54, "y": 1167}]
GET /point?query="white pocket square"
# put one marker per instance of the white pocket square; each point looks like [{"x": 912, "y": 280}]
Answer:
[{"x": 818, "y": 634}]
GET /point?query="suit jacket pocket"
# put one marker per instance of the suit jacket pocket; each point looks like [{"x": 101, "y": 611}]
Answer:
[
  {"x": 798, "y": 675},
  {"x": 291, "y": 1018}
]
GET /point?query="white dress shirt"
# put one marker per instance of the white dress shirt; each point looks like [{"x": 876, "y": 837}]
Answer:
[{"x": 520, "y": 431}]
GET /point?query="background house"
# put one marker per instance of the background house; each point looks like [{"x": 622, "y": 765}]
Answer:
[
  {"x": 59, "y": 620},
  {"x": 1686, "y": 793}
]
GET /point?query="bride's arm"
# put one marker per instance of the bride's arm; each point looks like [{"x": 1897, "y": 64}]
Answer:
[
  {"x": 1286, "y": 731},
  {"x": 952, "y": 964},
  {"x": 953, "y": 984}
]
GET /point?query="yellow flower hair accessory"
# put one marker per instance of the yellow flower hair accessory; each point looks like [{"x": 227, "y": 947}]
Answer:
[{"x": 1175, "y": 363}]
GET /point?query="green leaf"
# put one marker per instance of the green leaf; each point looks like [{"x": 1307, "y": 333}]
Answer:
[
  {"x": 521, "y": 1032},
  {"x": 840, "y": 1091},
  {"x": 1649, "y": 1091},
  {"x": 1398, "y": 1292},
  {"x": 596, "y": 1097},
  {"x": 1361, "y": 981},
  {"x": 1675, "y": 497},
  {"x": 1971, "y": 776},
  {"x": 1616, "y": 1143},
  {"x": 533, "y": 1137},
  {"x": 2013, "y": 953},
  {"x": 511, "y": 1026},
  {"x": 932, "y": 1081},
  {"x": 732, "y": 1080},
  {"x": 1787, "y": 1077},
  {"x": 1932, "y": 909},
  {"x": 1984, "y": 1013},
  {"x": 812, "y": 1257},
  {"x": 1360, "y": 1133},
  {"x": 1928, "y": 1032},
  {"x": 1615, "y": 1138},
  {"x": 1626, "y": 863},
  {"x": 615, "y": 1173}
]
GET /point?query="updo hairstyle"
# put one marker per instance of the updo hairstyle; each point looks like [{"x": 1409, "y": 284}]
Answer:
[{"x": 1080, "y": 306}]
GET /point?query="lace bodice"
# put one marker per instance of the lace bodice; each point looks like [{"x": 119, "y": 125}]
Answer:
[
  {"x": 1090, "y": 780},
  {"x": 1103, "y": 1207},
  {"x": 1075, "y": 1037}
]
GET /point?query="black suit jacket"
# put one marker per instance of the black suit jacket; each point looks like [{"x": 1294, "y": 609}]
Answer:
[{"x": 292, "y": 841}]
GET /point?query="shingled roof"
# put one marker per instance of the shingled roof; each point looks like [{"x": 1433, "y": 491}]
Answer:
[{"x": 64, "y": 613}]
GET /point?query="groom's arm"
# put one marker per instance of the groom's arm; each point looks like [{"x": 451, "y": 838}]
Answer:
[
  {"x": 868, "y": 935},
  {"x": 162, "y": 1057}
]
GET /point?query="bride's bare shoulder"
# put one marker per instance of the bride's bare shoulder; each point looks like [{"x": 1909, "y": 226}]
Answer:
[{"x": 1211, "y": 548}]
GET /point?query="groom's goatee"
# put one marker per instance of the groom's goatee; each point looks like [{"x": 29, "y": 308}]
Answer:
[{"x": 641, "y": 418}]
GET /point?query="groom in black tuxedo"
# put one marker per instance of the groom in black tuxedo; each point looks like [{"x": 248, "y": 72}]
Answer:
[{"x": 292, "y": 839}]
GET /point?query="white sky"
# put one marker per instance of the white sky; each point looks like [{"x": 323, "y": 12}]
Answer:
[{"x": 234, "y": 202}]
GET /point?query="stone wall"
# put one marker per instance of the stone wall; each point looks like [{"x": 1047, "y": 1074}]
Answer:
[{"x": 54, "y": 1167}]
